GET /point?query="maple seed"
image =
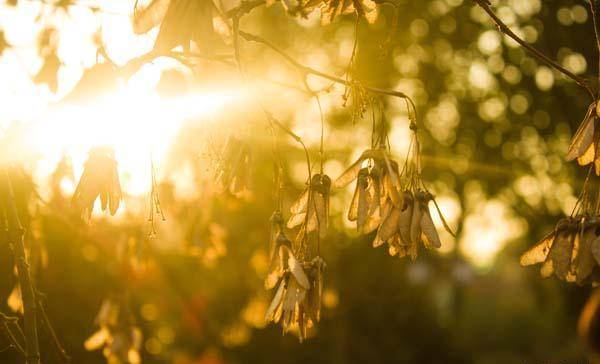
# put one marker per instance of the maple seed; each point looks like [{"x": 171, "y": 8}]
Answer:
[
  {"x": 311, "y": 209},
  {"x": 584, "y": 145},
  {"x": 100, "y": 178}
]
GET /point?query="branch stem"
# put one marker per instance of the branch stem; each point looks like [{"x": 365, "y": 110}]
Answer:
[
  {"x": 308, "y": 70},
  {"x": 503, "y": 28},
  {"x": 16, "y": 236},
  {"x": 11, "y": 336}
]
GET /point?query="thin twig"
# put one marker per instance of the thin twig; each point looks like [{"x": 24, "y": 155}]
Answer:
[
  {"x": 16, "y": 235},
  {"x": 14, "y": 341},
  {"x": 308, "y": 70},
  {"x": 64, "y": 357},
  {"x": 502, "y": 27}
]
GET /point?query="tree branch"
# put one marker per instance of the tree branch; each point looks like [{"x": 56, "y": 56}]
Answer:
[
  {"x": 503, "y": 28},
  {"x": 64, "y": 357},
  {"x": 12, "y": 338},
  {"x": 308, "y": 70},
  {"x": 16, "y": 234}
]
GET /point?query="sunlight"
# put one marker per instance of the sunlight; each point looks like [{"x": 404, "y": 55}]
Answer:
[
  {"x": 487, "y": 230},
  {"x": 134, "y": 121}
]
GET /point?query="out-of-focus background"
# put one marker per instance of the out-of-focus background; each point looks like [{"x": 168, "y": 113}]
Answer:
[{"x": 495, "y": 128}]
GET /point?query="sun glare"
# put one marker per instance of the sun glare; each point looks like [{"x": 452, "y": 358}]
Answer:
[{"x": 134, "y": 121}]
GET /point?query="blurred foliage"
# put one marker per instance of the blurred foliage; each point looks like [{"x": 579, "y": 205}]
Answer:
[{"x": 495, "y": 128}]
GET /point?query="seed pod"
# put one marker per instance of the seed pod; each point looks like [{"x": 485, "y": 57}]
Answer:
[
  {"x": 316, "y": 268},
  {"x": 273, "y": 313},
  {"x": 390, "y": 180},
  {"x": 415, "y": 223},
  {"x": 561, "y": 251},
  {"x": 300, "y": 204},
  {"x": 405, "y": 219},
  {"x": 431, "y": 237},
  {"x": 583, "y": 137},
  {"x": 402, "y": 250},
  {"x": 547, "y": 268},
  {"x": 353, "y": 210},
  {"x": 352, "y": 172},
  {"x": 321, "y": 189},
  {"x": 276, "y": 229},
  {"x": 583, "y": 262},
  {"x": 297, "y": 271},
  {"x": 390, "y": 224},
  {"x": 294, "y": 295},
  {"x": 313, "y": 201},
  {"x": 539, "y": 252},
  {"x": 395, "y": 247},
  {"x": 296, "y": 220},
  {"x": 588, "y": 156},
  {"x": 372, "y": 223},
  {"x": 279, "y": 259},
  {"x": 374, "y": 188}
]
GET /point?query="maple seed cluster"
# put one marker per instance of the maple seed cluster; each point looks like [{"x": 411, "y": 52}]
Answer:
[
  {"x": 571, "y": 251},
  {"x": 402, "y": 218},
  {"x": 297, "y": 300}
]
